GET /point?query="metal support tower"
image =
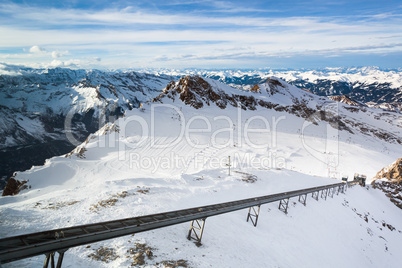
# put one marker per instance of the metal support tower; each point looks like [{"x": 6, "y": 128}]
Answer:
[
  {"x": 337, "y": 189},
  {"x": 253, "y": 213},
  {"x": 315, "y": 195},
  {"x": 50, "y": 259},
  {"x": 283, "y": 205},
  {"x": 196, "y": 230},
  {"x": 331, "y": 192},
  {"x": 324, "y": 194},
  {"x": 302, "y": 199}
]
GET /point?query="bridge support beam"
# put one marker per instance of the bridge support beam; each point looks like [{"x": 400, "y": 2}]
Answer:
[
  {"x": 196, "y": 231},
  {"x": 283, "y": 205},
  {"x": 324, "y": 194},
  {"x": 302, "y": 199},
  {"x": 253, "y": 213},
  {"x": 50, "y": 259},
  {"x": 338, "y": 190},
  {"x": 314, "y": 195},
  {"x": 331, "y": 192}
]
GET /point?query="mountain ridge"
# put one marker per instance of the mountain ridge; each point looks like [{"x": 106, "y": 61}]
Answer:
[
  {"x": 35, "y": 103},
  {"x": 143, "y": 163}
]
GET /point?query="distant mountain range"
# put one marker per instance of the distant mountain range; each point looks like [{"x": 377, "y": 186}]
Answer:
[
  {"x": 48, "y": 112},
  {"x": 369, "y": 85}
]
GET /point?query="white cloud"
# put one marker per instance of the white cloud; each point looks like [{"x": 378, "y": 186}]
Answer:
[
  {"x": 37, "y": 49},
  {"x": 69, "y": 63},
  {"x": 58, "y": 54},
  {"x": 43, "y": 52},
  {"x": 200, "y": 36}
]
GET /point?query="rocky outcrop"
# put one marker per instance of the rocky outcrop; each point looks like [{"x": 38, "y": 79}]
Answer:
[
  {"x": 389, "y": 180},
  {"x": 393, "y": 172},
  {"x": 196, "y": 92},
  {"x": 344, "y": 99},
  {"x": 14, "y": 186}
]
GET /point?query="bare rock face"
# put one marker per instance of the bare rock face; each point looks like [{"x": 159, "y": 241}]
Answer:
[
  {"x": 14, "y": 186},
  {"x": 196, "y": 92},
  {"x": 255, "y": 88},
  {"x": 275, "y": 85},
  {"x": 392, "y": 186},
  {"x": 344, "y": 99},
  {"x": 392, "y": 172}
]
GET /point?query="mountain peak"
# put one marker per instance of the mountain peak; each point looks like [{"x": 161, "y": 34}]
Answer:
[
  {"x": 196, "y": 92},
  {"x": 345, "y": 99},
  {"x": 272, "y": 85}
]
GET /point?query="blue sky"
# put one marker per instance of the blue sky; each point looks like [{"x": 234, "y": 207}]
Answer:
[{"x": 201, "y": 34}]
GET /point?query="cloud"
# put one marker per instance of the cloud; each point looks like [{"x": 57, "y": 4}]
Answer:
[
  {"x": 131, "y": 35},
  {"x": 37, "y": 49},
  {"x": 56, "y": 54},
  {"x": 42, "y": 51},
  {"x": 68, "y": 63},
  {"x": 45, "y": 18}
]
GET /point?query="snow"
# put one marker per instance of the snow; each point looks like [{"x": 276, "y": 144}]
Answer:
[
  {"x": 363, "y": 75},
  {"x": 170, "y": 156}
]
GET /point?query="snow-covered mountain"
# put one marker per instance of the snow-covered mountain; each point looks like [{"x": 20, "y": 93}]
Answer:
[
  {"x": 369, "y": 85},
  {"x": 48, "y": 112},
  {"x": 172, "y": 153}
]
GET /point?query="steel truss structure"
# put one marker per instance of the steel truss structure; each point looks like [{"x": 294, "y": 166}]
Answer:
[
  {"x": 283, "y": 205},
  {"x": 303, "y": 199},
  {"x": 315, "y": 195},
  {"x": 60, "y": 240},
  {"x": 196, "y": 230},
  {"x": 253, "y": 214}
]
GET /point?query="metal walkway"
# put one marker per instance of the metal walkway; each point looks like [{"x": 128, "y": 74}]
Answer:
[{"x": 60, "y": 240}]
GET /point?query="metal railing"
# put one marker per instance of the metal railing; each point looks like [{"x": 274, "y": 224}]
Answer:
[{"x": 60, "y": 240}]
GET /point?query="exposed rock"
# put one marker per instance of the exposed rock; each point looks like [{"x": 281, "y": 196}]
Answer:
[
  {"x": 247, "y": 177},
  {"x": 104, "y": 254},
  {"x": 255, "y": 88},
  {"x": 138, "y": 254},
  {"x": 274, "y": 83},
  {"x": 139, "y": 259},
  {"x": 392, "y": 172},
  {"x": 305, "y": 89},
  {"x": 14, "y": 186},
  {"x": 195, "y": 91},
  {"x": 389, "y": 181},
  {"x": 173, "y": 264},
  {"x": 344, "y": 99},
  {"x": 391, "y": 189}
]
